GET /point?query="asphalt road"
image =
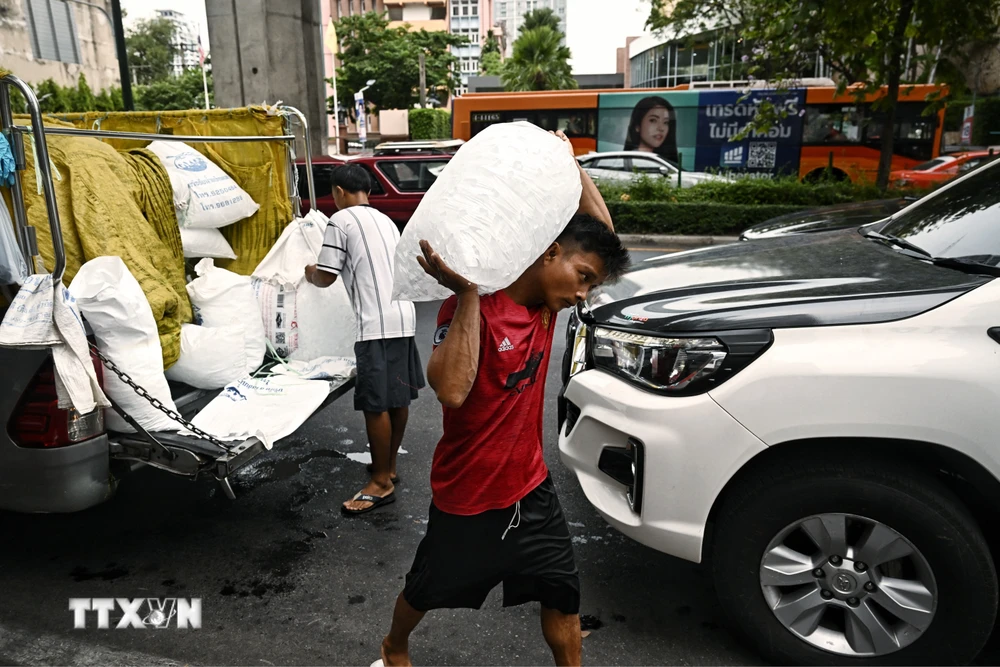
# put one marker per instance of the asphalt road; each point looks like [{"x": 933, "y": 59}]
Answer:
[{"x": 285, "y": 579}]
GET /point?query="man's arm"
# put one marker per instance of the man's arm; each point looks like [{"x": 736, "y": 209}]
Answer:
[
  {"x": 319, "y": 277},
  {"x": 453, "y": 366},
  {"x": 332, "y": 256},
  {"x": 591, "y": 201}
]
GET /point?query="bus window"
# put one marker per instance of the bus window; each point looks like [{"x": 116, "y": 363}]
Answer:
[
  {"x": 913, "y": 135},
  {"x": 832, "y": 124},
  {"x": 575, "y": 123},
  {"x": 483, "y": 119}
]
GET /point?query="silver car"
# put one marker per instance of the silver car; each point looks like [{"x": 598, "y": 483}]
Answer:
[{"x": 627, "y": 166}]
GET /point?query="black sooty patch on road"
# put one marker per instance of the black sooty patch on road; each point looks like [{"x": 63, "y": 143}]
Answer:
[{"x": 110, "y": 572}]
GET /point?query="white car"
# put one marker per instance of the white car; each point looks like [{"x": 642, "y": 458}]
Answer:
[
  {"x": 816, "y": 416},
  {"x": 628, "y": 166}
]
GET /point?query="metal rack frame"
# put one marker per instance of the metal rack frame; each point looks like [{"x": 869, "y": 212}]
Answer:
[{"x": 15, "y": 135}]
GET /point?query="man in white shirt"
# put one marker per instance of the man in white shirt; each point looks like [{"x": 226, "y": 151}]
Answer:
[{"x": 359, "y": 246}]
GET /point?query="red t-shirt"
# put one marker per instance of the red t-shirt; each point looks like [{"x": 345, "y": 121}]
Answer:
[{"x": 490, "y": 455}]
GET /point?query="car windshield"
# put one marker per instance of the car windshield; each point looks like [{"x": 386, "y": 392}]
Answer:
[
  {"x": 930, "y": 164},
  {"x": 961, "y": 221}
]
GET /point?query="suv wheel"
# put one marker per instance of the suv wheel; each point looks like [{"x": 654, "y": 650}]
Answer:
[{"x": 854, "y": 565}]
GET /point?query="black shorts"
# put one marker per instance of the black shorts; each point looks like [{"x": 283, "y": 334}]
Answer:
[
  {"x": 463, "y": 558},
  {"x": 389, "y": 374}
]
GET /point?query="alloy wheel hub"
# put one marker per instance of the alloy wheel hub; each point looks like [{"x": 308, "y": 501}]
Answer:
[{"x": 848, "y": 585}]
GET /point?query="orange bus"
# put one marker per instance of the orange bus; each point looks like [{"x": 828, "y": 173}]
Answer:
[{"x": 695, "y": 127}]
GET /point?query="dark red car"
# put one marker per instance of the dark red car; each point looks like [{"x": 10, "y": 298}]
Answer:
[{"x": 398, "y": 181}]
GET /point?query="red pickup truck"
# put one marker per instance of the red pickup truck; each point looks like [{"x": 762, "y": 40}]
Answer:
[{"x": 398, "y": 181}]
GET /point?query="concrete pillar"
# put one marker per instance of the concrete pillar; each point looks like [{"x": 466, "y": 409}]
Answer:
[{"x": 270, "y": 50}]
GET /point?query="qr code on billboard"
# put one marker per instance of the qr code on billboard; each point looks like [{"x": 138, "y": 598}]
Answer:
[{"x": 763, "y": 155}]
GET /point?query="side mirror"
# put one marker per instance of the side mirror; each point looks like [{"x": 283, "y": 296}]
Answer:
[{"x": 665, "y": 171}]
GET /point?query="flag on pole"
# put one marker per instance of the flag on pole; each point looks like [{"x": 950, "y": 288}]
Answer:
[
  {"x": 330, "y": 38},
  {"x": 201, "y": 52}
]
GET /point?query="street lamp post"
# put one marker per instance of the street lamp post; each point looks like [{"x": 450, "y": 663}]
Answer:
[{"x": 359, "y": 110}]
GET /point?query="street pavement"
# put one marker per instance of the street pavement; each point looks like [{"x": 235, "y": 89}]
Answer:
[{"x": 285, "y": 579}]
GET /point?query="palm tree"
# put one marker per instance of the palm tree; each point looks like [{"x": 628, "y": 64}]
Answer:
[
  {"x": 539, "y": 62},
  {"x": 536, "y": 18}
]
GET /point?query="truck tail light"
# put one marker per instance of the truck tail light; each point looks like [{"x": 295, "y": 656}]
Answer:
[{"x": 38, "y": 422}]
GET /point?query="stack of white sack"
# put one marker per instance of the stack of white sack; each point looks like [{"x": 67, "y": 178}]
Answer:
[
  {"x": 301, "y": 320},
  {"x": 205, "y": 198},
  {"x": 275, "y": 406},
  {"x": 112, "y": 301},
  {"x": 501, "y": 201},
  {"x": 227, "y": 341}
]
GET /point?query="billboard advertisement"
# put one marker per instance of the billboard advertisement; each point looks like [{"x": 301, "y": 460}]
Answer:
[
  {"x": 696, "y": 129},
  {"x": 723, "y": 114},
  {"x": 665, "y": 123}
]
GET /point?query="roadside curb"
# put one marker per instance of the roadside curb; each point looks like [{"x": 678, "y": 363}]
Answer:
[{"x": 675, "y": 241}]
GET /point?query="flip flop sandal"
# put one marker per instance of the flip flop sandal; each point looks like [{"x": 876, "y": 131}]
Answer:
[
  {"x": 375, "y": 501},
  {"x": 394, "y": 479}
]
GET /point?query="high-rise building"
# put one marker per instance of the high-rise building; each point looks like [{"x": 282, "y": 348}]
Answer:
[
  {"x": 429, "y": 15},
  {"x": 471, "y": 19},
  {"x": 185, "y": 40},
  {"x": 509, "y": 14},
  {"x": 341, "y": 8}
]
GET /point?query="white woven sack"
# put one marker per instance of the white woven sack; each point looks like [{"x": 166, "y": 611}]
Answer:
[
  {"x": 221, "y": 298},
  {"x": 205, "y": 196},
  {"x": 114, "y": 304},
  {"x": 303, "y": 321},
  {"x": 211, "y": 357},
  {"x": 199, "y": 243},
  {"x": 501, "y": 201}
]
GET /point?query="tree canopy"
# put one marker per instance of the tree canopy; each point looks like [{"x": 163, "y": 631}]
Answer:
[
  {"x": 540, "y": 60},
  {"x": 370, "y": 49},
  {"x": 490, "y": 64},
  {"x": 537, "y": 18},
  {"x": 182, "y": 92},
  {"x": 864, "y": 42},
  {"x": 150, "y": 47}
]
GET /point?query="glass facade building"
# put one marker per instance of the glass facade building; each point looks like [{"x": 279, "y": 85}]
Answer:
[{"x": 711, "y": 56}]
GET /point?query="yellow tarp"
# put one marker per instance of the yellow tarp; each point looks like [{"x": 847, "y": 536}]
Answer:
[
  {"x": 260, "y": 168},
  {"x": 113, "y": 203}
]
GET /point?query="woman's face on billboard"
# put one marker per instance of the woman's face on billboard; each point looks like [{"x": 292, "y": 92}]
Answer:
[{"x": 653, "y": 129}]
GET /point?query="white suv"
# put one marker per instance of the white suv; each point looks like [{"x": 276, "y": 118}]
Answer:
[{"x": 817, "y": 416}]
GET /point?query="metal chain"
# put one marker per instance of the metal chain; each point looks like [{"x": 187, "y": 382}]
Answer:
[{"x": 155, "y": 402}]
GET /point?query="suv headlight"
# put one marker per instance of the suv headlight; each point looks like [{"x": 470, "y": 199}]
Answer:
[{"x": 656, "y": 362}]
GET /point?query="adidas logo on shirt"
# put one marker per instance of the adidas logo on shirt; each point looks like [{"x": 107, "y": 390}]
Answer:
[{"x": 505, "y": 346}]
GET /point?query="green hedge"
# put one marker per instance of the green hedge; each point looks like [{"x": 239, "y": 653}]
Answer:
[
  {"x": 428, "y": 124},
  {"x": 691, "y": 218},
  {"x": 747, "y": 192}
]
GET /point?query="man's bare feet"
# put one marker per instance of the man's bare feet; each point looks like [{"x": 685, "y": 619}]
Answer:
[
  {"x": 371, "y": 489},
  {"x": 394, "y": 657}
]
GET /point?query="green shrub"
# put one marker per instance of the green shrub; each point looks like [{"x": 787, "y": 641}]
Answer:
[
  {"x": 691, "y": 218},
  {"x": 748, "y": 192},
  {"x": 428, "y": 124}
]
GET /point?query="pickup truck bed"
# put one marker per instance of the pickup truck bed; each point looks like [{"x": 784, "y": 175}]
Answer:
[
  {"x": 193, "y": 456},
  {"x": 68, "y": 476}
]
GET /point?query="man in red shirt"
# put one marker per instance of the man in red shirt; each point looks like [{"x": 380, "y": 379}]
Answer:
[{"x": 495, "y": 517}]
